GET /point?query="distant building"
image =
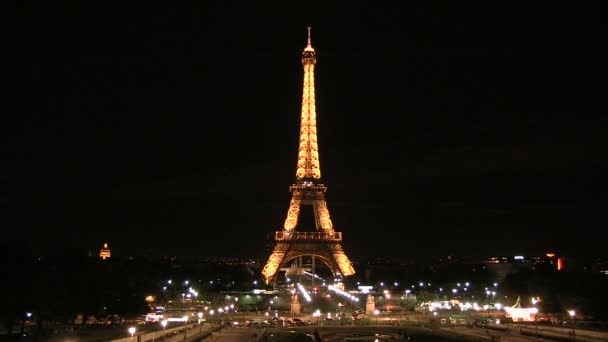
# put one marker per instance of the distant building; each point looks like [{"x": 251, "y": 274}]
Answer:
[
  {"x": 105, "y": 252},
  {"x": 600, "y": 266},
  {"x": 503, "y": 265}
]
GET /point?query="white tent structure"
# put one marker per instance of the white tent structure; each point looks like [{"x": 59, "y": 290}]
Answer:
[{"x": 519, "y": 314}]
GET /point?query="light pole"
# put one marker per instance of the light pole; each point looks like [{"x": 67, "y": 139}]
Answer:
[
  {"x": 572, "y": 314},
  {"x": 200, "y": 317},
  {"x": 132, "y": 332},
  {"x": 164, "y": 324},
  {"x": 185, "y": 327}
]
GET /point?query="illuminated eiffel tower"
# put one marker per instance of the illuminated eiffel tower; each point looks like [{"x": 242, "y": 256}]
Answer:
[{"x": 324, "y": 243}]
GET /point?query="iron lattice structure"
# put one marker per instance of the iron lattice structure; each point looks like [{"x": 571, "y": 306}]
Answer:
[{"x": 324, "y": 243}]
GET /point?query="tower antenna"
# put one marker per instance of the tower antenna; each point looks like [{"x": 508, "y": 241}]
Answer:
[{"x": 309, "y": 36}]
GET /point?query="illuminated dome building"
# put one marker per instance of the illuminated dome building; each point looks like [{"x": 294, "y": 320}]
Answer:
[{"x": 105, "y": 252}]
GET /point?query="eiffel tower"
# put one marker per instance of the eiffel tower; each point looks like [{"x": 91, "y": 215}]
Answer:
[{"x": 324, "y": 243}]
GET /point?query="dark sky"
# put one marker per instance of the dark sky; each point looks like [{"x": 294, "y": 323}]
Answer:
[{"x": 174, "y": 130}]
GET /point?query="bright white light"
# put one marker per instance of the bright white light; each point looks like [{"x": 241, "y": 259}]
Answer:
[
  {"x": 304, "y": 292},
  {"x": 169, "y": 281},
  {"x": 343, "y": 293},
  {"x": 175, "y": 319},
  {"x": 132, "y": 331},
  {"x": 454, "y": 290},
  {"x": 164, "y": 323},
  {"x": 313, "y": 275},
  {"x": 365, "y": 289},
  {"x": 408, "y": 291},
  {"x": 434, "y": 313},
  {"x": 498, "y": 306},
  {"x": 571, "y": 313},
  {"x": 376, "y": 312},
  {"x": 421, "y": 284},
  {"x": 466, "y": 284}
]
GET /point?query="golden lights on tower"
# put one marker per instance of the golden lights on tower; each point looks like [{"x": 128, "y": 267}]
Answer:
[
  {"x": 308, "y": 191},
  {"x": 308, "y": 152}
]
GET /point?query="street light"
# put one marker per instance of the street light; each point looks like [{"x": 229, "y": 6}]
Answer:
[
  {"x": 164, "y": 324},
  {"x": 185, "y": 318},
  {"x": 132, "y": 331},
  {"x": 572, "y": 314}
]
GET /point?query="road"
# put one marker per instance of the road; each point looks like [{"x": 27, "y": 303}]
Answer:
[
  {"x": 488, "y": 334},
  {"x": 234, "y": 335}
]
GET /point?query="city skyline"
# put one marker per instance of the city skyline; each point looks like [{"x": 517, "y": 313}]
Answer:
[{"x": 440, "y": 130}]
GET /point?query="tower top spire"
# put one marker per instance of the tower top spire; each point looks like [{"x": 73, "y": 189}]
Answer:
[
  {"x": 309, "y": 47},
  {"x": 309, "y": 36},
  {"x": 308, "y": 152}
]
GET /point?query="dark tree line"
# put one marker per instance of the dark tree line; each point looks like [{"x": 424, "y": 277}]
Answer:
[
  {"x": 584, "y": 292},
  {"x": 58, "y": 287}
]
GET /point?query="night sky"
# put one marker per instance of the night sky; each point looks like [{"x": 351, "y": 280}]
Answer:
[{"x": 174, "y": 130}]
